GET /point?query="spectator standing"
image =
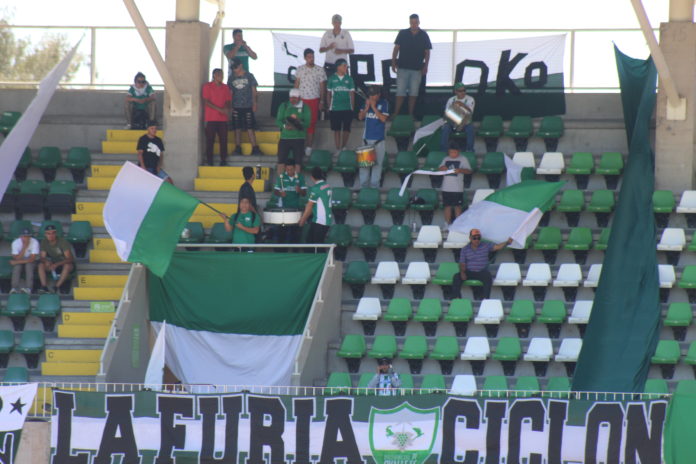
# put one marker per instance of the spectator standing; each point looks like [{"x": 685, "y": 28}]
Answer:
[
  {"x": 318, "y": 207},
  {"x": 217, "y": 99},
  {"x": 337, "y": 44},
  {"x": 244, "y": 97},
  {"x": 247, "y": 188},
  {"x": 453, "y": 184},
  {"x": 238, "y": 49},
  {"x": 151, "y": 152},
  {"x": 375, "y": 113},
  {"x": 467, "y": 102},
  {"x": 57, "y": 258},
  {"x": 311, "y": 80},
  {"x": 141, "y": 100},
  {"x": 244, "y": 224},
  {"x": 293, "y": 118},
  {"x": 410, "y": 59},
  {"x": 385, "y": 380},
  {"x": 341, "y": 103},
  {"x": 289, "y": 188},
  {"x": 25, "y": 251},
  {"x": 473, "y": 263}
]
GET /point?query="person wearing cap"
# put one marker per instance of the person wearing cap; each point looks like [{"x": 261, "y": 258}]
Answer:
[
  {"x": 410, "y": 59},
  {"x": 216, "y": 100},
  {"x": 337, "y": 44},
  {"x": 375, "y": 114},
  {"x": 150, "y": 150},
  {"x": 318, "y": 207},
  {"x": 311, "y": 80},
  {"x": 293, "y": 118},
  {"x": 473, "y": 263},
  {"x": 57, "y": 258},
  {"x": 385, "y": 380},
  {"x": 238, "y": 49},
  {"x": 464, "y": 101},
  {"x": 341, "y": 90},
  {"x": 25, "y": 251},
  {"x": 140, "y": 100}
]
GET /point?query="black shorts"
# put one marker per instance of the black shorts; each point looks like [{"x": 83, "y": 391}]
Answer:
[
  {"x": 452, "y": 198},
  {"x": 285, "y": 146},
  {"x": 341, "y": 120},
  {"x": 243, "y": 119}
]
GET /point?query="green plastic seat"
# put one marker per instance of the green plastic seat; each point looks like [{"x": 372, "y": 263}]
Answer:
[
  {"x": 491, "y": 126},
  {"x": 340, "y": 234},
  {"x": 581, "y": 163},
  {"x": 218, "y": 234},
  {"x": 610, "y": 163},
  {"x": 667, "y": 352},
  {"x": 433, "y": 383},
  {"x": 403, "y": 125},
  {"x": 384, "y": 346},
  {"x": 363, "y": 383},
  {"x": 8, "y": 119},
  {"x": 353, "y": 346},
  {"x": 429, "y": 310},
  {"x": 31, "y": 342},
  {"x": 5, "y": 267},
  {"x": 551, "y": 127},
  {"x": 552, "y": 312},
  {"x": 339, "y": 382},
  {"x": 579, "y": 238},
  {"x": 655, "y": 388},
  {"x": 557, "y": 387},
  {"x": 48, "y": 158},
  {"x": 549, "y": 238},
  {"x": 520, "y": 127},
  {"x": 321, "y": 158},
  {"x": 493, "y": 163},
  {"x": 494, "y": 386},
  {"x": 6, "y": 341},
  {"x": 415, "y": 347},
  {"x": 18, "y": 305},
  {"x": 446, "y": 348},
  {"x": 62, "y": 187},
  {"x": 347, "y": 162},
  {"x": 61, "y": 197},
  {"x": 399, "y": 310},
  {"x": 445, "y": 273},
  {"x": 572, "y": 201},
  {"x": 686, "y": 387},
  {"x": 396, "y": 202},
  {"x": 368, "y": 199},
  {"x": 33, "y": 187},
  {"x": 16, "y": 375},
  {"x": 691, "y": 354},
  {"x": 679, "y": 315},
  {"x": 603, "y": 240},
  {"x": 688, "y": 277},
  {"x": 430, "y": 198},
  {"x": 31, "y": 196},
  {"x": 473, "y": 163},
  {"x": 527, "y": 386},
  {"x": 522, "y": 312},
  {"x": 405, "y": 162},
  {"x": 196, "y": 233},
  {"x": 357, "y": 272},
  {"x": 433, "y": 160},
  {"x": 460, "y": 310},
  {"x": 369, "y": 236},
  {"x": 48, "y": 305},
  {"x": 341, "y": 198},
  {"x": 508, "y": 349},
  {"x": 663, "y": 201},
  {"x": 79, "y": 232},
  {"x": 26, "y": 160},
  {"x": 398, "y": 237},
  {"x": 602, "y": 201},
  {"x": 78, "y": 158},
  {"x": 406, "y": 381}
]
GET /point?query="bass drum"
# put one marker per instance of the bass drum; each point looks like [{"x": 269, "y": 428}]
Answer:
[
  {"x": 281, "y": 216},
  {"x": 367, "y": 156}
]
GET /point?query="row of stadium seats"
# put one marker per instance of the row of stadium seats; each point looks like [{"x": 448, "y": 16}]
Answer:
[
  {"x": 37, "y": 196},
  {"x": 49, "y": 159}
]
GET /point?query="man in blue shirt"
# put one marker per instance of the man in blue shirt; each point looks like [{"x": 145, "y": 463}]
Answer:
[
  {"x": 473, "y": 263},
  {"x": 375, "y": 114}
]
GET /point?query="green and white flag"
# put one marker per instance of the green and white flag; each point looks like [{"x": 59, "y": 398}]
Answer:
[
  {"x": 145, "y": 216},
  {"x": 15, "y": 402},
  {"x": 513, "y": 212}
]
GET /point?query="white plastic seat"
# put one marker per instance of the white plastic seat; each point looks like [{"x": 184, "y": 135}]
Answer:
[
  {"x": 538, "y": 275},
  {"x": 569, "y": 275},
  {"x": 490, "y": 312},
  {"x": 540, "y": 349},
  {"x": 464, "y": 384},
  {"x": 581, "y": 312},
  {"x": 508, "y": 275},
  {"x": 476, "y": 349},
  {"x": 481, "y": 194},
  {"x": 524, "y": 159},
  {"x": 455, "y": 240},
  {"x": 369, "y": 309},
  {"x": 687, "y": 204},
  {"x": 417, "y": 273},
  {"x": 667, "y": 275},
  {"x": 569, "y": 350},
  {"x": 387, "y": 273},
  {"x": 552, "y": 163},
  {"x": 428, "y": 237},
  {"x": 672, "y": 239},
  {"x": 593, "y": 276}
]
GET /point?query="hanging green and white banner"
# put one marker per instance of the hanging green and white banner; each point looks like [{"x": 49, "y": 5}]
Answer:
[
  {"x": 150, "y": 427},
  {"x": 15, "y": 402}
]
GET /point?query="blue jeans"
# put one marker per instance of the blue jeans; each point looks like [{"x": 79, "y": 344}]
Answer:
[
  {"x": 373, "y": 174},
  {"x": 408, "y": 81},
  {"x": 447, "y": 131}
]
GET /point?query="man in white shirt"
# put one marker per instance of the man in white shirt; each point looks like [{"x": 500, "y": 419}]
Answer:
[
  {"x": 25, "y": 251},
  {"x": 311, "y": 80},
  {"x": 336, "y": 43},
  {"x": 463, "y": 100}
]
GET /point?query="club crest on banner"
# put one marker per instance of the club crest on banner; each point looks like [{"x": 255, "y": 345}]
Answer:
[{"x": 403, "y": 435}]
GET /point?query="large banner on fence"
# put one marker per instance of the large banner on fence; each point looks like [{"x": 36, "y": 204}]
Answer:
[
  {"x": 149, "y": 427},
  {"x": 15, "y": 402},
  {"x": 506, "y": 76}
]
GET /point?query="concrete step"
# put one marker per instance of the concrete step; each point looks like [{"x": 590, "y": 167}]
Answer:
[{"x": 97, "y": 293}]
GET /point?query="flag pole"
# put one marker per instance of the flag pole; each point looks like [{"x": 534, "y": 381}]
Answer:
[{"x": 213, "y": 208}]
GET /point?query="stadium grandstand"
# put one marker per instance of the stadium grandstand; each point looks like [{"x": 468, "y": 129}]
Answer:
[{"x": 172, "y": 341}]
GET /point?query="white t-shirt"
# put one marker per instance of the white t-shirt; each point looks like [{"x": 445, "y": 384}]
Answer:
[
  {"x": 468, "y": 101},
  {"x": 343, "y": 41},
  {"x": 310, "y": 81},
  {"x": 32, "y": 249}
]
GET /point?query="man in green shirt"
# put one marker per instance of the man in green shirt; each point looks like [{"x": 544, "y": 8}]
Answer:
[
  {"x": 318, "y": 207},
  {"x": 244, "y": 224},
  {"x": 293, "y": 118},
  {"x": 140, "y": 99},
  {"x": 289, "y": 187},
  {"x": 341, "y": 89},
  {"x": 238, "y": 49},
  {"x": 57, "y": 258}
]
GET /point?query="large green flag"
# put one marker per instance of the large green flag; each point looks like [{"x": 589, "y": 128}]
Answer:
[{"x": 624, "y": 326}]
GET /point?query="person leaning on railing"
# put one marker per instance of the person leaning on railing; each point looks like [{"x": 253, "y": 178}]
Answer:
[{"x": 385, "y": 380}]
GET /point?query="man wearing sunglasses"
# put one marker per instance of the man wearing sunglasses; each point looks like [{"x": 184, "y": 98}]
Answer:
[{"x": 473, "y": 263}]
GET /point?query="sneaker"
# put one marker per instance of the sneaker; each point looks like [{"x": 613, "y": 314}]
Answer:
[
  {"x": 256, "y": 151},
  {"x": 14, "y": 290},
  {"x": 26, "y": 290},
  {"x": 237, "y": 150},
  {"x": 43, "y": 290}
]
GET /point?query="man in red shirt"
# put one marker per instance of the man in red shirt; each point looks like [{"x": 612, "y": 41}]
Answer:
[{"x": 217, "y": 99}]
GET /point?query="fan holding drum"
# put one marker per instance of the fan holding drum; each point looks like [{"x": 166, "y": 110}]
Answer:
[
  {"x": 371, "y": 156},
  {"x": 459, "y": 111}
]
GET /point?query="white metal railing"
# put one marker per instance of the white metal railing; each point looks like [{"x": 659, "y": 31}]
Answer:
[{"x": 589, "y": 64}]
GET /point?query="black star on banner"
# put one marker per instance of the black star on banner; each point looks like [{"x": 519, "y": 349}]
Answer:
[{"x": 17, "y": 406}]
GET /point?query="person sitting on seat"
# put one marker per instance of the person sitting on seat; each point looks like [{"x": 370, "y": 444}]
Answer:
[
  {"x": 25, "y": 250},
  {"x": 140, "y": 103},
  {"x": 385, "y": 380},
  {"x": 57, "y": 258},
  {"x": 473, "y": 263},
  {"x": 151, "y": 152}
]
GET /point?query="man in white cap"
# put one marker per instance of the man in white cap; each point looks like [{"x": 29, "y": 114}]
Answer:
[
  {"x": 293, "y": 118},
  {"x": 25, "y": 253},
  {"x": 336, "y": 43}
]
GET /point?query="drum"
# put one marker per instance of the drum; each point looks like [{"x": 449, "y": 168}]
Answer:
[
  {"x": 281, "y": 216},
  {"x": 367, "y": 156},
  {"x": 458, "y": 115}
]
